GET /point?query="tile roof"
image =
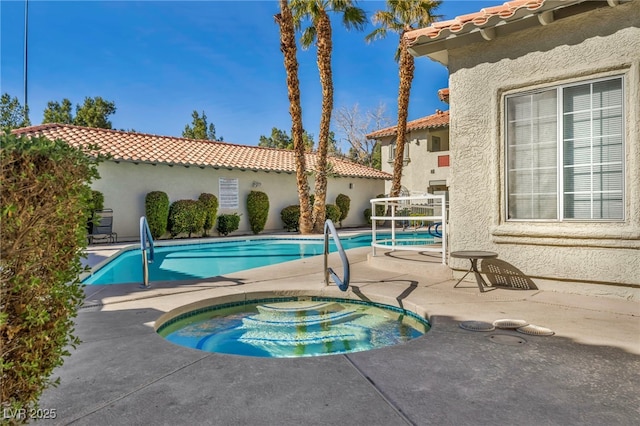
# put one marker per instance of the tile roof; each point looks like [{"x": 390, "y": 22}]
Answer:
[
  {"x": 154, "y": 149},
  {"x": 439, "y": 119},
  {"x": 486, "y": 18},
  {"x": 443, "y": 95}
]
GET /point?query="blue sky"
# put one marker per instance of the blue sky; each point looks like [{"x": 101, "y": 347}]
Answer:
[{"x": 158, "y": 61}]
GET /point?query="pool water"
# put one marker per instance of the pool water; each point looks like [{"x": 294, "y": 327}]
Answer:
[
  {"x": 197, "y": 261},
  {"x": 294, "y": 328}
]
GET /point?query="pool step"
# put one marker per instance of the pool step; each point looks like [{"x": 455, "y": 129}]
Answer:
[
  {"x": 271, "y": 338},
  {"x": 297, "y": 313},
  {"x": 297, "y": 306}
]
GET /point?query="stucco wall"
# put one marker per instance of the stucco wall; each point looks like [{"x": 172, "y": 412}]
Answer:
[
  {"x": 596, "y": 44},
  {"x": 417, "y": 173},
  {"x": 125, "y": 186}
]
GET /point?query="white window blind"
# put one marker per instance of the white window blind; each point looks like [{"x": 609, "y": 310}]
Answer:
[{"x": 585, "y": 167}]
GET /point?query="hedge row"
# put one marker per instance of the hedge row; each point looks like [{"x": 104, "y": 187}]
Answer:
[
  {"x": 193, "y": 217},
  {"x": 290, "y": 215},
  {"x": 46, "y": 201}
]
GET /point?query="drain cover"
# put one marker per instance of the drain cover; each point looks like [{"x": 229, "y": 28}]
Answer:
[
  {"x": 477, "y": 326},
  {"x": 535, "y": 330},
  {"x": 510, "y": 323},
  {"x": 505, "y": 339}
]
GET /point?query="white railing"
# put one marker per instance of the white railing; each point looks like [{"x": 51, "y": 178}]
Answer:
[{"x": 418, "y": 212}]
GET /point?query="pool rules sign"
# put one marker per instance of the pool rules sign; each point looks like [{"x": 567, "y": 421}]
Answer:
[{"x": 228, "y": 190}]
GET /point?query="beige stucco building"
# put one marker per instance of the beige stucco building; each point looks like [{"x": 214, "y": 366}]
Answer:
[
  {"x": 545, "y": 137},
  {"x": 185, "y": 168},
  {"x": 426, "y": 153}
]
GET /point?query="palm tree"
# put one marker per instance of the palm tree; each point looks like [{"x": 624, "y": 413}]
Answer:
[
  {"x": 319, "y": 31},
  {"x": 288, "y": 47},
  {"x": 402, "y": 16}
]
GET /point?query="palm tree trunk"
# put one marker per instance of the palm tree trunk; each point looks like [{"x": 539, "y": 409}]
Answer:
[
  {"x": 407, "y": 68},
  {"x": 324, "y": 44},
  {"x": 289, "y": 49}
]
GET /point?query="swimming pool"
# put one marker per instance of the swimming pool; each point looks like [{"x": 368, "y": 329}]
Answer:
[
  {"x": 293, "y": 327},
  {"x": 197, "y": 261}
]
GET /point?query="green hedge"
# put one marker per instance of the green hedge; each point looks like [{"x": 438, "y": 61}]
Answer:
[
  {"x": 367, "y": 215},
  {"x": 186, "y": 216},
  {"x": 156, "y": 209},
  {"x": 258, "y": 209},
  {"x": 227, "y": 223},
  {"x": 45, "y": 197},
  {"x": 210, "y": 206},
  {"x": 290, "y": 216},
  {"x": 343, "y": 202},
  {"x": 95, "y": 203},
  {"x": 332, "y": 212}
]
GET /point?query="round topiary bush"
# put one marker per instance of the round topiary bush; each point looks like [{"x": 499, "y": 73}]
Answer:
[
  {"x": 156, "y": 209},
  {"x": 290, "y": 216},
  {"x": 258, "y": 209},
  {"x": 186, "y": 216},
  {"x": 210, "y": 206},
  {"x": 343, "y": 202},
  {"x": 332, "y": 212},
  {"x": 367, "y": 215},
  {"x": 227, "y": 223}
]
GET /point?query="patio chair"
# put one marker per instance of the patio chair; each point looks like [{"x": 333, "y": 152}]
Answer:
[{"x": 103, "y": 228}]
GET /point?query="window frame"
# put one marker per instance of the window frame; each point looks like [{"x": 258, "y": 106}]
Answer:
[
  {"x": 560, "y": 143},
  {"x": 392, "y": 152}
]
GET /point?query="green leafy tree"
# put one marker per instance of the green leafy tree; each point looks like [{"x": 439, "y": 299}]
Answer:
[
  {"x": 58, "y": 112},
  {"x": 12, "y": 114},
  {"x": 200, "y": 129},
  {"x": 402, "y": 16},
  {"x": 319, "y": 31},
  {"x": 94, "y": 112},
  {"x": 280, "y": 139}
]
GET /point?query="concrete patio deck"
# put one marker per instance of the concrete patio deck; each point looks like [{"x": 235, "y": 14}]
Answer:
[{"x": 588, "y": 373}]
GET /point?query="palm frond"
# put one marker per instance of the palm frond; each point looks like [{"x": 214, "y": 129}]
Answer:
[
  {"x": 308, "y": 37},
  {"x": 377, "y": 34},
  {"x": 354, "y": 17}
]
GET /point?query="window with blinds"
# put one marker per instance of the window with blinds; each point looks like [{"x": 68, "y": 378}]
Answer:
[{"x": 565, "y": 153}]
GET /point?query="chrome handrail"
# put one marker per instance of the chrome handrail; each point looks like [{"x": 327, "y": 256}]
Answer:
[
  {"x": 146, "y": 240},
  {"x": 343, "y": 284}
]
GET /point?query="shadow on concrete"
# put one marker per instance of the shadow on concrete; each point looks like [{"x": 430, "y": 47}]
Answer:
[
  {"x": 95, "y": 294},
  {"x": 502, "y": 274},
  {"x": 410, "y": 256}
]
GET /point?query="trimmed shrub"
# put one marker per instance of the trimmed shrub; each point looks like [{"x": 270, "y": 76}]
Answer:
[
  {"x": 186, "y": 216},
  {"x": 367, "y": 215},
  {"x": 379, "y": 212},
  {"x": 343, "y": 202},
  {"x": 227, "y": 223},
  {"x": 45, "y": 197},
  {"x": 94, "y": 204},
  {"x": 156, "y": 209},
  {"x": 290, "y": 216},
  {"x": 210, "y": 206},
  {"x": 332, "y": 212},
  {"x": 258, "y": 209}
]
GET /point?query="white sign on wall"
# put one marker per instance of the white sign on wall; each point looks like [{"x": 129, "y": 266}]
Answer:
[{"x": 228, "y": 191}]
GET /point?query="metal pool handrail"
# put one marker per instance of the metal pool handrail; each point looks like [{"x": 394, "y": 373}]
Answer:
[
  {"x": 344, "y": 283},
  {"x": 146, "y": 240}
]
